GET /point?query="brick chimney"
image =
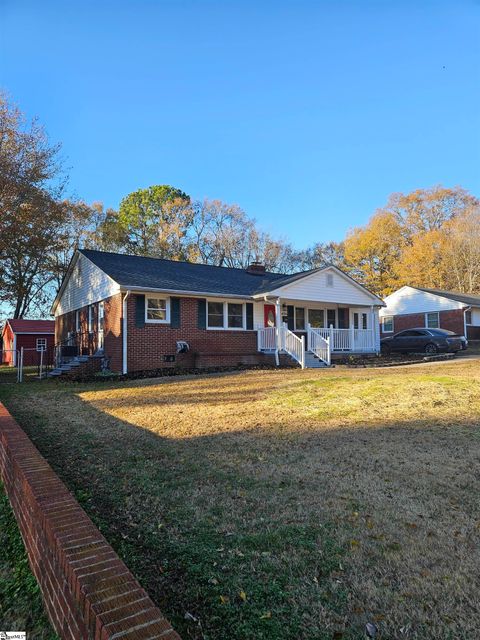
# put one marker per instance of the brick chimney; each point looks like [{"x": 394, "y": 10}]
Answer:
[{"x": 257, "y": 268}]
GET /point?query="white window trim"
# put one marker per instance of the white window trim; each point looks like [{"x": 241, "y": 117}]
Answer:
[
  {"x": 429, "y": 313},
  {"x": 77, "y": 320},
  {"x": 360, "y": 316},
  {"x": 44, "y": 341},
  {"x": 469, "y": 324},
  {"x": 305, "y": 319},
  {"x": 392, "y": 330},
  {"x": 167, "y": 310},
  {"x": 225, "y": 316}
]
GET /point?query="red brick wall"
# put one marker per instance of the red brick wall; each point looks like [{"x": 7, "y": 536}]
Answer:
[
  {"x": 112, "y": 329},
  {"x": 452, "y": 320},
  {"x": 88, "y": 592},
  {"x": 148, "y": 345}
]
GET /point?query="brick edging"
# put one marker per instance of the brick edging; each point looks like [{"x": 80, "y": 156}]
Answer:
[{"x": 88, "y": 592}]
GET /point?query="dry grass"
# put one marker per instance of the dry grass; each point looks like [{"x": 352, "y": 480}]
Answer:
[{"x": 283, "y": 504}]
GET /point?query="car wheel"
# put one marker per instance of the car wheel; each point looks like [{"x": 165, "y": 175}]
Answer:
[
  {"x": 385, "y": 350},
  {"x": 431, "y": 349}
]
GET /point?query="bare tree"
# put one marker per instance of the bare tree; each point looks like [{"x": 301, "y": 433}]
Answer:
[{"x": 31, "y": 182}]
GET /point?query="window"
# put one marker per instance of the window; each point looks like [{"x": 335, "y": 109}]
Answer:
[
  {"x": 468, "y": 317},
  {"x": 235, "y": 315},
  {"x": 364, "y": 321},
  {"x": 215, "y": 314},
  {"x": 316, "y": 318},
  {"x": 90, "y": 319},
  {"x": 41, "y": 344},
  {"x": 299, "y": 319},
  {"x": 432, "y": 320},
  {"x": 329, "y": 279},
  {"x": 331, "y": 318},
  {"x": 157, "y": 310},
  {"x": 225, "y": 315},
  {"x": 387, "y": 324},
  {"x": 77, "y": 321},
  {"x": 101, "y": 315}
]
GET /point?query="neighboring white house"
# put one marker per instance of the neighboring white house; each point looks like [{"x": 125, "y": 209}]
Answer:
[{"x": 411, "y": 307}]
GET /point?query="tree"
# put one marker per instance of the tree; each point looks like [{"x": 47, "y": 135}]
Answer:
[
  {"x": 222, "y": 234},
  {"x": 372, "y": 252},
  {"x": 425, "y": 210},
  {"x": 405, "y": 242},
  {"x": 155, "y": 222},
  {"x": 461, "y": 251},
  {"x": 31, "y": 182},
  {"x": 321, "y": 255},
  {"x": 422, "y": 262},
  {"x": 83, "y": 226}
]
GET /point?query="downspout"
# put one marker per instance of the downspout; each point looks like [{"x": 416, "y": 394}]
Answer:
[
  {"x": 14, "y": 354},
  {"x": 124, "y": 333}
]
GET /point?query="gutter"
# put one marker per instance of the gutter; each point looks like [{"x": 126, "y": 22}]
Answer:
[
  {"x": 124, "y": 333},
  {"x": 188, "y": 294}
]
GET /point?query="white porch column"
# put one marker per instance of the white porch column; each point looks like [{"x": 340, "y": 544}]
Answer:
[
  {"x": 376, "y": 329},
  {"x": 278, "y": 313},
  {"x": 278, "y": 324}
]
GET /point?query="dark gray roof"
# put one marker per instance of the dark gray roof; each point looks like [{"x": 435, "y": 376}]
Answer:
[
  {"x": 454, "y": 295},
  {"x": 171, "y": 275}
]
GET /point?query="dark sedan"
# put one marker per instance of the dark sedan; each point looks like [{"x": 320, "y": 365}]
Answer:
[{"x": 420, "y": 340}]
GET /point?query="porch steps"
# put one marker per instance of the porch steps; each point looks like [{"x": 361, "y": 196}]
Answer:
[
  {"x": 312, "y": 362},
  {"x": 68, "y": 366}
]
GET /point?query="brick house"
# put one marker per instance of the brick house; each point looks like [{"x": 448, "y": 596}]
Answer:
[
  {"x": 33, "y": 335},
  {"x": 143, "y": 313},
  {"x": 411, "y": 307}
]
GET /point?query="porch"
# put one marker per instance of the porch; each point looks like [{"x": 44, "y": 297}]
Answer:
[{"x": 314, "y": 333}]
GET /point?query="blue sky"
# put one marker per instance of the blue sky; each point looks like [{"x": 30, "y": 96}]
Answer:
[{"x": 306, "y": 114}]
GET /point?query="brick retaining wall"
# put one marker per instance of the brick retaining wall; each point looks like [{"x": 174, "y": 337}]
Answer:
[{"x": 88, "y": 592}]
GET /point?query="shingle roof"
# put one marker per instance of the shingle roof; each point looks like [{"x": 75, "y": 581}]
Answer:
[
  {"x": 170, "y": 275},
  {"x": 32, "y": 326},
  {"x": 454, "y": 295}
]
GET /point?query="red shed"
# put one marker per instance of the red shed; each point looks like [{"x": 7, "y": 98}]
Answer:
[{"x": 33, "y": 335}]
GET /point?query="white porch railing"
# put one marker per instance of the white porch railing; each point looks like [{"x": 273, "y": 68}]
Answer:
[
  {"x": 267, "y": 339},
  {"x": 320, "y": 342},
  {"x": 293, "y": 345},
  {"x": 360, "y": 340},
  {"x": 319, "y": 345},
  {"x": 278, "y": 339}
]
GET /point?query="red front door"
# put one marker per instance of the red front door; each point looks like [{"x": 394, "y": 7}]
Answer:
[{"x": 269, "y": 315}]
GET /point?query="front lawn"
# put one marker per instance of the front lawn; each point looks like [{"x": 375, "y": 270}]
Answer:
[{"x": 282, "y": 504}]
